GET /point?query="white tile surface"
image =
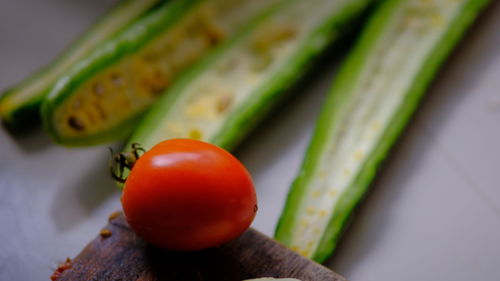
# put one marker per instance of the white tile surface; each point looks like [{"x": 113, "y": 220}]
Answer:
[{"x": 433, "y": 213}]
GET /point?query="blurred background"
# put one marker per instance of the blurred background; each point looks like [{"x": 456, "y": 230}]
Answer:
[{"x": 433, "y": 212}]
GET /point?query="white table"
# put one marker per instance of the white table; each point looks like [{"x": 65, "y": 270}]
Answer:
[{"x": 433, "y": 213}]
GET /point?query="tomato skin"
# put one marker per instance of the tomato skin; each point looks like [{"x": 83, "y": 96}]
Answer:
[{"x": 188, "y": 195}]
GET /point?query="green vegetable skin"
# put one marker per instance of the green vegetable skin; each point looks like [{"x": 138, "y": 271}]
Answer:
[
  {"x": 374, "y": 95},
  {"x": 19, "y": 106},
  {"x": 101, "y": 98},
  {"x": 223, "y": 96}
]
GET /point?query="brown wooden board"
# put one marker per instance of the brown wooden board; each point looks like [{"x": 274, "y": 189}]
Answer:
[{"x": 124, "y": 256}]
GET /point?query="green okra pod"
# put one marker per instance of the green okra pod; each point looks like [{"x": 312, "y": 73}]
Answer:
[
  {"x": 374, "y": 95},
  {"x": 20, "y": 105},
  {"x": 101, "y": 98},
  {"x": 221, "y": 98}
]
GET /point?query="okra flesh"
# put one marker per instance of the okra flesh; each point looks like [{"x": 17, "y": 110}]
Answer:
[
  {"x": 237, "y": 84},
  {"x": 27, "y": 96},
  {"x": 89, "y": 110},
  {"x": 363, "y": 115}
]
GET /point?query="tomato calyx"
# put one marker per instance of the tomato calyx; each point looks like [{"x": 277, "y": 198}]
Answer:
[{"x": 124, "y": 160}]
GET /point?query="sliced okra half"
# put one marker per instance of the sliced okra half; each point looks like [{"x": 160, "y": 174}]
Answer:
[
  {"x": 372, "y": 99},
  {"x": 20, "y": 104},
  {"x": 229, "y": 91},
  {"x": 101, "y": 98}
]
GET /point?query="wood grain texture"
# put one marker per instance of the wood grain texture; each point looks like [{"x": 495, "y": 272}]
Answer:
[{"x": 124, "y": 256}]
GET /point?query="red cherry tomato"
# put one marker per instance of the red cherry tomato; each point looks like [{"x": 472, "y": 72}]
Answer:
[{"x": 188, "y": 195}]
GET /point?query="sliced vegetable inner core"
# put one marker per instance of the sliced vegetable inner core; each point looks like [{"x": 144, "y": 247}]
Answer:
[
  {"x": 367, "y": 111},
  {"x": 211, "y": 100},
  {"x": 128, "y": 87},
  {"x": 107, "y": 26}
]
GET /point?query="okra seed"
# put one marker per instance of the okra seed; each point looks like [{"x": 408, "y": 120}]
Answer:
[
  {"x": 310, "y": 210},
  {"x": 305, "y": 253},
  {"x": 75, "y": 123},
  {"x": 304, "y": 223},
  {"x": 175, "y": 128},
  {"x": 212, "y": 31},
  {"x": 333, "y": 193},
  {"x": 117, "y": 79},
  {"x": 224, "y": 103},
  {"x": 229, "y": 64},
  {"x": 214, "y": 34},
  {"x": 195, "y": 134},
  {"x": 437, "y": 19},
  {"x": 100, "y": 111},
  {"x": 98, "y": 89},
  {"x": 158, "y": 81},
  {"x": 77, "y": 104},
  {"x": 262, "y": 62},
  {"x": 316, "y": 194},
  {"x": 346, "y": 172},
  {"x": 358, "y": 155},
  {"x": 150, "y": 57},
  {"x": 376, "y": 125}
]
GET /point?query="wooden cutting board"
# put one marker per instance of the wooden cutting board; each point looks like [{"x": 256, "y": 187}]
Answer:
[{"x": 118, "y": 254}]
